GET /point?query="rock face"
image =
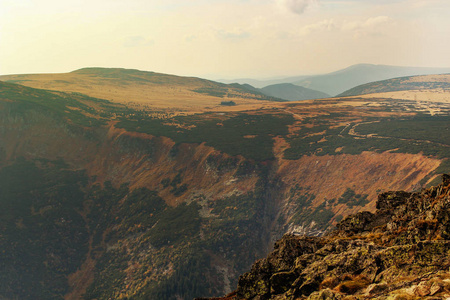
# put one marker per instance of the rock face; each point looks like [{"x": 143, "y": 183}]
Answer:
[{"x": 402, "y": 251}]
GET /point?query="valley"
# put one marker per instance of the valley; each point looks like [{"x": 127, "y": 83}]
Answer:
[{"x": 155, "y": 190}]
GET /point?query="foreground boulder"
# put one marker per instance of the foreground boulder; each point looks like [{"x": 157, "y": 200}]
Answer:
[{"x": 402, "y": 251}]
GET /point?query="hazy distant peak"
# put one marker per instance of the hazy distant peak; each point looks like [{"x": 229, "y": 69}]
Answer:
[
  {"x": 292, "y": 92},
  {"x": 342, "y": 80}
]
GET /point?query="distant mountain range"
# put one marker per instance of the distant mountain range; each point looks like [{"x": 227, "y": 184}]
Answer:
[
  {"x": 260, "y": 83},
  {"x": 292, "y": 92},
  {"x": 339, "y": 81}
]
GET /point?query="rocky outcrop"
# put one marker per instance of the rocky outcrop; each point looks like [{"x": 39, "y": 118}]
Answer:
[{"x": 402, "y": 251}]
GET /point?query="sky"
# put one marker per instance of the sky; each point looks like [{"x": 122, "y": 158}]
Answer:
[{"x": 225, "y": 39}]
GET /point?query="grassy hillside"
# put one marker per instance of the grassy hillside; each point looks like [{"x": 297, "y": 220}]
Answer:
[
  {"x": 72, "y": 108},
  {"x": 143, "y": 89},
  {"x": 431, "y": 82}
]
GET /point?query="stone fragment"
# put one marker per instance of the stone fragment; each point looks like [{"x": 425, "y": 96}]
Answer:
[
  {"x": 411, "y": 290},
  {"x": 423, "y": 289},
  {"x": 435, "y": 288},
  {"x": 376, "y": 288},
  {"x": 325, "y": 294}
]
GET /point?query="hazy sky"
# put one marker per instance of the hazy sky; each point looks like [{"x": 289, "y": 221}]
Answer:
[{"x": 222, "y": 38}]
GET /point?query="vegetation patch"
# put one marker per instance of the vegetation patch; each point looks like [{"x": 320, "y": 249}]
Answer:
[
  {"x": 228, "y": 103},
  {"x": 43, "y": 234},
  {"x": 225, "y": 135},
  {"x": 215, "y": 92},
  {"x": 350, "y": 198},
  {"x": 63, "y": 106},
  {"x": 422, "y": 134},
  {"x": 435, "y": 129},
  {"x": 175, "y": 225}
]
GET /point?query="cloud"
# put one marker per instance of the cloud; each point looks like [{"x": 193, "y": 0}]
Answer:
[
  {"x": 296, "y": 6},
  {"x": 365, "y": 24},
  {"x": 325, "y": 25},
  {"x": 370, "y": 26},
  {"x": 137, "y": 41},
  {"x": 358, "y": 28},
  {"x": 233, "y": 34}
]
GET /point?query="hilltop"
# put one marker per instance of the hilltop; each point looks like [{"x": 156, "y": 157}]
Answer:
[
  {"x": 398, "y": 252},
  {"x": 143, "y": 89}
]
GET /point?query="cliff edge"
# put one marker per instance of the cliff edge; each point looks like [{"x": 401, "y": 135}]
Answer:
[{"x": 402, "y": 251}]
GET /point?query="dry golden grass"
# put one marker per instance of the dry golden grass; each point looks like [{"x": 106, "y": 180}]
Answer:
[
  {"x": 174, "y": 93},
  {"x": 437, "y": 95},
  {"x": 430, "y": 78},
  {"x": 441, "y": 95},
  {"x": 342, "y": 169}
]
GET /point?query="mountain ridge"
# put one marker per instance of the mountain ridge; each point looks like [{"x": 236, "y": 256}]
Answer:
[
  {"x": 291, "y": 92},
  {"x": 336, "y": 82}
]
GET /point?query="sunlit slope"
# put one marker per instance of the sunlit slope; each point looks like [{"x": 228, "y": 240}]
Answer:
[
  {"x": 142, "y": 88},
  {"x": 435, "y": 88}
]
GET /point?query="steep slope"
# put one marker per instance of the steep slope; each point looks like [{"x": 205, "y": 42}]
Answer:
[
  {"x": 337, "y": 82},
  {"x": 398, "y": 252},
  {"x": 134, "y": 87},
  {"x": 116, "y": 214},
  {"x": 291, "y": 92}
]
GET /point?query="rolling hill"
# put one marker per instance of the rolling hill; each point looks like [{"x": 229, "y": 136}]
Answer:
[
  {"x": 141, "y": 88},
  {"x": 433, "y": 83}
]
